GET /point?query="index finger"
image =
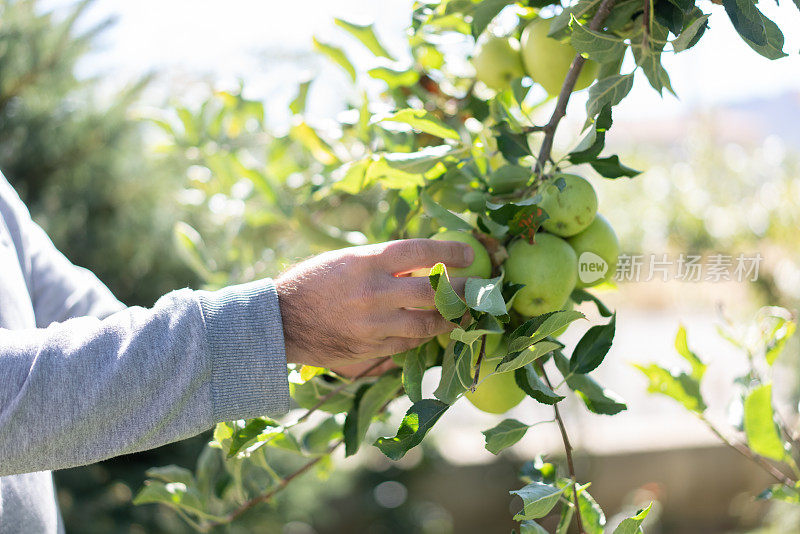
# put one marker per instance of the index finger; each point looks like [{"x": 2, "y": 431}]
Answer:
[{"x": 411, "y": 254}]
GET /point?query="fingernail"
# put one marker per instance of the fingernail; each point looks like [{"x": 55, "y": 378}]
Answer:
[{"x": 469, "y": 254}]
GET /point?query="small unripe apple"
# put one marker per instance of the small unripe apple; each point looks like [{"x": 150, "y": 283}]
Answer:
[
  {"x": 548, "y": 268},
  {"x": 495, "y": 393},
  {"x": 547, "y": 60},
  {"x": 497, "y": 62},
  {"x": 597, "y": 249},
  {"x": 481, "y": 266},
  {"x": 571, "y": 209}
]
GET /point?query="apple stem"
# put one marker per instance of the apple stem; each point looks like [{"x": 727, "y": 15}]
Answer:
[
  {"x": 481, "y": 354},
  {"x": 566, "y": 91},
  {"x": 568, "y": 451}
]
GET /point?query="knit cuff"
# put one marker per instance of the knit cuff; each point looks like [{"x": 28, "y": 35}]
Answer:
[{"x": 244, "y": 336}]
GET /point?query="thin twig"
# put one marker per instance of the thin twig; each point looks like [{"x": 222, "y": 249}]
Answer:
[
  {"x": 568, "y": 451},
  {"x": 339, "y": 388},
  {"x": 745, "y": 451},
  {"x": 566, "y": 91},
  {"x": 282, "y": 484},
  {"x": 481, "y": 355},
  {"x": 646, "y": 24}
]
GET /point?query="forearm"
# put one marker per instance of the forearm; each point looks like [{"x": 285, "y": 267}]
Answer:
[{"x": 86, "y": 389}]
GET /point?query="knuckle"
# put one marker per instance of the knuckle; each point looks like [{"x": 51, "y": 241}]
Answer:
[
  {"x": 418, "y": 248},
  {"x": 427, "y": 325}
]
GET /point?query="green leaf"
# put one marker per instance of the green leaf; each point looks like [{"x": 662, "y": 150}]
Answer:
[
  {"x": 538, "y": 499},
  {"x": 777, "y": 327},
  {"x": 691, "y": 34},
  {"x": 367, "y": 406},
  {"x": 513, "y": 145},
  {"x": 596, "y": 46},
  {"x": 415, "y": 425},
  {"x": 580, "y": 11},
  {"x": 352, "y": 177},
  {"x": 413, "y": 369},
  {"x": 594, "y": 520},
  {"x": 485, "y": 12},
  {"x": 421, "y": 120},
  {"x": 521, "y": 359},
  {"x": 608, "y": 91},
  {"x": 633, "y": 525},
  {"x": 593, "y": 347},
  {"x": 531, "y": 527},
  {"x": 298, "y": 105},
  {"x": 763, "y": 436},
  {"x": 446, "y": 299},
  {"x": 579, "y": 296},
  {"x": 318, "y": 439},
  {"x": 611, "y": 167},
  {"x": 171, "y": 473},
  {"x": 174, "y": 494},
  {"x": 455, "y": 365},
  {"x": 747, "y": 20},
  {"x": 310, "y": 139},
  {"x": 537, "y": 328},
  {"x": 648, "y": 57},
  {"x": 504, "y": 435},
  {"x": 395, "y": 78},
  {"x": 567, "y": 512},
  {"x": 596, "y": 398},
  {"x": 336, "y": 55},
  {"x": 487, "y": 324},
  {"x": 248, "y": 433},
  {"x": 401, "y": 170},
  {"x": 308, "y": 394},
  {"x": 485, "y": 295},
  {"x": 676, "y": 385},
  {"x": 445, "y": 218},
  {"x": 682, "y": 346},
  {"x": 365, "y": 34},
  {"x": 591, "y": 145},
  {"x": 528, "y": 381}
]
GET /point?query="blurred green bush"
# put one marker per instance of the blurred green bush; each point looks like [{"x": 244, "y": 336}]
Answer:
[{"x": 79, "y": 160}]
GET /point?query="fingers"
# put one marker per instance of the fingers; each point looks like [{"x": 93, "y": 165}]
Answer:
[
  {"x": 355, "y": 369},
  {"x": 413, "y": 324},
  {"x": 411, "y": 254},
  {"x": 396, "y": 345},
  {"x": 416, "y": 292}
]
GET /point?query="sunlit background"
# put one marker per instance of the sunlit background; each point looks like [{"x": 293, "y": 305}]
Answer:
[{"x": 721, "y": 176}]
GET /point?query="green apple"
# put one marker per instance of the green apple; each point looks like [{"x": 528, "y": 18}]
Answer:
[
  {"x": 547, "y": 60},
  {"x": 509, "y": 178},
  {"x": 496, "y": 393},
  {"x": 497, "y": 62},
  {"x": 548, "y": 268},
  {"x": 570, "y": 210},
  {"x": 597, "y": 249},
  {"x": 481, "y": 264}
]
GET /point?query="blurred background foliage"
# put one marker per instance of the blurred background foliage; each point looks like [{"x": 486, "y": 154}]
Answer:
[
  {"x": 80, "y": 160},
  {"x": 109, "y": 188}
]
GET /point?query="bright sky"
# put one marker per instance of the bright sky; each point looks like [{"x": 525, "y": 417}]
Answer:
[{"x": 259, "y": 41}]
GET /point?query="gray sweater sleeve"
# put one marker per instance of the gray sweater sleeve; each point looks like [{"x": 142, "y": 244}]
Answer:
[
  {"x": 87, "y": 389},
  {"x": 92, "y": 379}
]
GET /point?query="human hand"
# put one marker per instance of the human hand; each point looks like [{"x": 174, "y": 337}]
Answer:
[{"x": 354, "y": 304}]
